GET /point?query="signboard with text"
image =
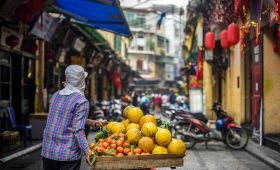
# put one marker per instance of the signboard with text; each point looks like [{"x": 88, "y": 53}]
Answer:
[
  {"x": 45, "y": 26},
  {"x": 194, "y": 83}
]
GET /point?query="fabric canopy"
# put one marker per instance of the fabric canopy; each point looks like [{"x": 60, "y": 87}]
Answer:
[{"x": 101, "y": 14}]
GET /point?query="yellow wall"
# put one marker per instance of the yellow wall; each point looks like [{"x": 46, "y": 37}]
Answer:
[
  {"x": 207, "y": 89},
  {"x": 232, "y": 96},
  {"x": 124, "y": 42},
  {"x": 271, "y": 86},
  {"x": 110, "y": 37}
]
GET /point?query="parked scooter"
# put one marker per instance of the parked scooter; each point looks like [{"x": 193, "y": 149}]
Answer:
[
  {"x": 105, "y": 107},
  {"x": 96, "y": 114},
  {"x": 116, "y": 110},
  {"x": 169, "y": 111},
  {"x": 192, "y": 129}
]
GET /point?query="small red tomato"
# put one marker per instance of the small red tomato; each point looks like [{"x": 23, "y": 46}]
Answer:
[
  {"x": 113, "y": 145},
  {"x": 105, "y": 144},
  {"x": 119, "y": 143},
  {"x": 126, "y": 151},
  {"x": 120, "y": 149}
]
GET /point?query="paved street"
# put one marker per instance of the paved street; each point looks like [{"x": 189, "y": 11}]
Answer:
[{"x": 217, "y": 156}]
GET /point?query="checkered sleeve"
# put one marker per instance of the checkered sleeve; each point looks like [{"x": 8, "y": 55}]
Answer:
[{"x": 80, "y": 116}]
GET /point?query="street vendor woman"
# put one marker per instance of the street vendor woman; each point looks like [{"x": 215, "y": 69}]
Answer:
[{"x": 64, "y": 138}]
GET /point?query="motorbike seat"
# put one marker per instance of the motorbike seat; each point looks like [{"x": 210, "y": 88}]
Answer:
[{"x": 200, "y": 116}]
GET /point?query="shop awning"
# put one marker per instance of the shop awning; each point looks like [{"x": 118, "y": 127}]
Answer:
[{"x": 101, "y": 14}]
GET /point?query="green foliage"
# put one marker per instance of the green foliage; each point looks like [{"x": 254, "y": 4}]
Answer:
[
  {"x": 164, "y": 124},
  {"x": 102, "y": 134}
]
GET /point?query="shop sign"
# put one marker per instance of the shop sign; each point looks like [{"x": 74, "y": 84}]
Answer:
[
  {"x": 194, "y": 83},
  {"x": 62, "y": 55},
  {"x": 5, "y": 33},
  {"x": 45, "y": 29},
  {"x": 209, "y": 56},
  {"x": 97, "y": 59},
  {"x": 196, "y": 101},
  {"x": 79, "y": 45}
]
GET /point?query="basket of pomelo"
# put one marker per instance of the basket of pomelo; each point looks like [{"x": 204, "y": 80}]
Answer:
[{"x": 136, "y": 143}]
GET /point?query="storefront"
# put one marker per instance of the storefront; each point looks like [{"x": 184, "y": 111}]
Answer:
[{"x": 17, "y": 80}]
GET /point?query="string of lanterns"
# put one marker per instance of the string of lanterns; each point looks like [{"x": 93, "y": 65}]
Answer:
[{"x": 233, "y": 34}]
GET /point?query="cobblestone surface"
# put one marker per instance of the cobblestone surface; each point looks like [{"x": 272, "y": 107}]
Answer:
[{"x": 216, "y": 156}]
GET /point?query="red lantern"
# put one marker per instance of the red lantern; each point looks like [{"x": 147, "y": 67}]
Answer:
[
  {"x": 24, "y": 14},
  {"x": 32, "y": 48},
  {"x": 50, "y": 54},
  {"x": 233, "y": 34},
  {"x": 12, "y": 41},
  {"x": 36, "y": 5},
  {"x": 224, "y": 41},
  {"x": 210, "y": 41}
]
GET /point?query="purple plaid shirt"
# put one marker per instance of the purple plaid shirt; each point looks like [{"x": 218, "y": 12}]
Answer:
[{"x": 64, "y": 138}]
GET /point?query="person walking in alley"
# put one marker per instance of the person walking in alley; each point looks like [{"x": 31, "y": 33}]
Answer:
[
  {"x": 64, "y": 138},
  {"x": 172, "y": 97}
]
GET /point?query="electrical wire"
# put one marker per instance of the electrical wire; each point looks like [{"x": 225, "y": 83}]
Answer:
[
  {"x": 152, "y": 19},
  {"x": 140, "y": 3}
]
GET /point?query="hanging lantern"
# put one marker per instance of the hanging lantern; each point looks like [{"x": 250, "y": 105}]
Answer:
[
  {"x": 50, "y": 54},
  {"x": 210, "y": 41},
  {"x": 12, "y": 41},
  {"x": 233, "y": 34},
  {"x": 224, "y": 41},
  {"x": 32, "y": 48},
  {"x": 24, "y": 14},
  {"x": 36, "y": 5}
]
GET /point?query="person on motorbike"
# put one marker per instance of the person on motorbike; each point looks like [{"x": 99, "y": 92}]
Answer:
[
  {"x": 172, "y": 97},
  {"x": 144, "y": 103}
]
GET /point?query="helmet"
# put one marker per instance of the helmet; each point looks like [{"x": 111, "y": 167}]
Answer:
[{"x": 220, "y": 124}]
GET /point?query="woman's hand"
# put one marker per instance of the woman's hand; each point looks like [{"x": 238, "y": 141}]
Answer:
[{"x": 95, "y": 123}]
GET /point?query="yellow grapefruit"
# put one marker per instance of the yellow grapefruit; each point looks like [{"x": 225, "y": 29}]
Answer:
[
  {"x": 133, "y": 135},
  {"x": 146, "y": 144},
  {"x": 160, "y": 150},
  {"x": 125, "y": 122},
  {"x": 177, "y": 147},
  {"x": 163, "y": 137},
  {"x": 132, "y": 125},
  {"x": 147, "y": 118},
  {"x": 125, "y": 111},
  {"x": 109, "y": 126},
  {"x": 118, "y": 128},
  {"x": 134, "y": 115},
  {"x": 149, "y": 129}
]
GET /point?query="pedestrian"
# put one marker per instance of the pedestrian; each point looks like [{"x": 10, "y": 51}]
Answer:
[
  {"x": 144, "y": 104},
  {"x": 64, "y": 138},
  {"x": 172, "y": 97},
  {"x": 134, "y": 97}
]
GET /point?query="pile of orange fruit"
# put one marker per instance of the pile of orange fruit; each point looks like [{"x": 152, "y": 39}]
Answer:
[
  {"x": 116, "y": 145},
  {"x": 137, "y": 134}
]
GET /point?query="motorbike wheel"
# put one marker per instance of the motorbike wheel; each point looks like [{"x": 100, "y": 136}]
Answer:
[
  {"x": 190, "y": 142},
  {"x": 237, "y": 138}
]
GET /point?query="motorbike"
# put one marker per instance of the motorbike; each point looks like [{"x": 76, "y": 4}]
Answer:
[
  {"x": 193, "y": 129},
  {"x": 96, "y": 114},
  {"x": 105, "y": 107},
  {"x": 116, "y": 110},
  {"x": 169, "y": 111}
]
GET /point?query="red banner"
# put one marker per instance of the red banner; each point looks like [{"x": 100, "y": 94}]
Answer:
[
  {"x": 116, "y": 79},
  {"x": 199, "y": 72}
]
